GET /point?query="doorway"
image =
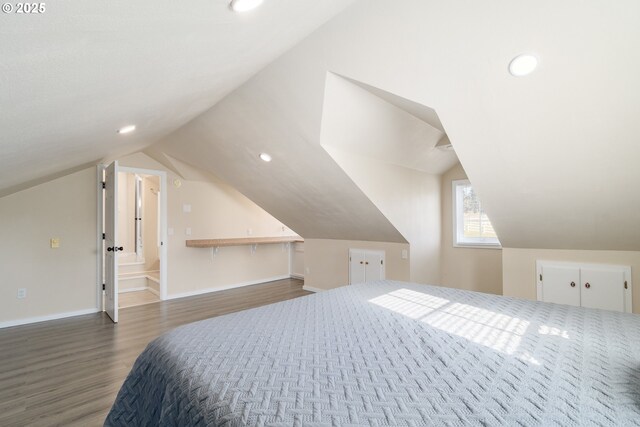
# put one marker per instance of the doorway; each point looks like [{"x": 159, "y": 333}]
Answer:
[{"x": 133, "y": 237}]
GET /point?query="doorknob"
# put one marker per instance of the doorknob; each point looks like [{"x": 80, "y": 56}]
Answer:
[
  {"x": 115, "y": 249},
  {"x": 587, "y": 285}
]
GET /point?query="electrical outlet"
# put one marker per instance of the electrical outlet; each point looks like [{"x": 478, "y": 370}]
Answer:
[
  {"x": 55, "y": 242},
  {"x": 405, "y": 254},
  {"x": 186, "y": 208},
  {"x": 188, "y": 231},
  {"x": 249, "y": 232},
  {"x": 22, "y": 293}
]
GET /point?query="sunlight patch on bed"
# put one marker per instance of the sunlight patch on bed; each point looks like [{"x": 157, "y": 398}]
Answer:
[
  {"x": 494, "y": 330},
  {"x": 548, "y": 330},
  {"x": 409, "y": 303}
]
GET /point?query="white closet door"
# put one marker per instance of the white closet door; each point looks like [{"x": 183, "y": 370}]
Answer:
[
  {"x": 356, "y": 267},
  {"x": 561, "y": 284},
  {"x": 603, "y": 288},
  {"x": 373, "y": 266}
]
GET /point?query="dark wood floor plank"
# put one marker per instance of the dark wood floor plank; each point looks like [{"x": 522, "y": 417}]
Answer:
[{"x": 67, "y": 372}]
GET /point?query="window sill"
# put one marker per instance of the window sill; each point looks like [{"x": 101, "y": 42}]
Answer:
[{"x": 476, "y": 246}]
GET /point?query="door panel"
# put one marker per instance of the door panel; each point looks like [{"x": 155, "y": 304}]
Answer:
[
  {"x": 111, "y": 233},
  {"x": 603, "y": 288},
  {"x": 556, "y": 285},
  {"x": 373, "y": 266},
  {"x": 356, "y": 267}
]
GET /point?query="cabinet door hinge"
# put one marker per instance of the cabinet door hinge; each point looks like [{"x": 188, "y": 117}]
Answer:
[
  {"x": 104, "y": 184},
  {"x": 626, "y": 285},
  {"x": 104, "y": 287}
]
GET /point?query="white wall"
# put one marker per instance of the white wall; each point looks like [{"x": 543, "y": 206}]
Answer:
[
  {"x": 474, "y": 269},
  {"x": 327, "y": 261},
  {"x": 410, "y": 199},
  {"x": 519, "y": 268},
  {"x": 217, "y": 211},
  {"x": 57, "y": 280}
]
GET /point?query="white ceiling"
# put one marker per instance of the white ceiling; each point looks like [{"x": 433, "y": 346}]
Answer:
[
  {"x": 553, "y": 155},
  {"x": 369, "y": 122},
  {"x": 73, "y": 75}
]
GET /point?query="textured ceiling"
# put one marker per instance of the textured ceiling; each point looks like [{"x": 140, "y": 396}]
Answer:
[
  {"x": 71, "y": 76},
  {"x": 553, "y": 155}
]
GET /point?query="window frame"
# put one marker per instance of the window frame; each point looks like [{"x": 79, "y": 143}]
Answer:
[{"x": 458, "y": 223}]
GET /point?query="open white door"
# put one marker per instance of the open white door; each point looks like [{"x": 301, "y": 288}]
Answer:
[{"x": 111, "y": 244}]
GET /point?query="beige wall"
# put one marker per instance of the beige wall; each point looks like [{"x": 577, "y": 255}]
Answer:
[
  {"x": 217, "y": 211},
  {"x": 150, "y": 222},
  {"x": 57, "y": 280},
  {"x": 519, "y": 268},
  {"x": 327, "y": 261},
  {"x": 466, "y": 268},
  {"x": 410, "y": 199}
]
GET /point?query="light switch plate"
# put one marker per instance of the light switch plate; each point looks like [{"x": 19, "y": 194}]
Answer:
[
  {"x": 55, "y": 242},
  {"x": 186, "y": 208},
  {"x": 22, "y": 293},
  {"x": 405, "y": 254},
  {"x": 188, "y": 231}
]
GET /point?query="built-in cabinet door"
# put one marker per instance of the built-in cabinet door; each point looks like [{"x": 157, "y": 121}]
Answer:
[
  {"x": 561, "y": 284},
  {"x": 603, "y": 288},
  {"x": 356, "y": 267},
  {"x": 365, "y": 266}
]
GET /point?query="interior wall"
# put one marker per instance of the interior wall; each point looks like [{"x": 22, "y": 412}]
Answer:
[
  {"x": 59, "y": 280},
  {"x": 519, "y": 268},
  {"x": 410, "y": 199},
  {"x": 150, "y": 187},
  {"x": 474, "y": 269},
  {"x": 216, "y": 211},
  {"x": 327, "y": 261},
  {"x": 126, "y": 212}
]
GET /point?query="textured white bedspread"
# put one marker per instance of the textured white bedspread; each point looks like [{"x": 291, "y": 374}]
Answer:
[{"x": 391, "y": 353}]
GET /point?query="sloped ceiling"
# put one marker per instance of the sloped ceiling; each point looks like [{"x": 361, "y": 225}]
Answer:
[
  {"x": 552, "y": 155},
  {"x": 366, "y": 121},
  {"x": 73, "y": 75}
]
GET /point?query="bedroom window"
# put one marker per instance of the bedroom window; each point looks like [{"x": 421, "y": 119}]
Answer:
[{"x": 471, "y": 225}]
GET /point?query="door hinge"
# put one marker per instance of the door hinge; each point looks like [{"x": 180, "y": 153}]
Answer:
[
  {"x": 104, "y": 236},
  {"x": 104, "y": 287},
  {"x": 104, "y": 184},
  {"x": 381, "y": 262},
  {"x": 626, "y": 285},
  {"x": 541, "y": 277}
]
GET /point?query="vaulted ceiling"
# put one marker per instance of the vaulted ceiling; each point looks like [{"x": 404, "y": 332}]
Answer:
[
  {"x": 70, "y": 77},
  {"x": 552, "y": 155}
]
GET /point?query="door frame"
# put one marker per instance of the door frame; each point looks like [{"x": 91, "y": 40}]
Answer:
[{"x": 162, "y": 253}]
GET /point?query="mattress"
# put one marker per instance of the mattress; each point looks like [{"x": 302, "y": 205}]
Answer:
[{"x": 391, "y": 353}]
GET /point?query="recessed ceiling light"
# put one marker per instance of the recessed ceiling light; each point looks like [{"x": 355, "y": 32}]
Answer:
[
  {"x": 126, "y": 129},
  {"x": 523, "y": 65},
  {"x": 265, "y": 157},
  {"x": 244, "y": 5}
]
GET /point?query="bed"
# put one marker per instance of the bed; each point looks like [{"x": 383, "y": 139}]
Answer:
[{"x": 391, "y": 353}]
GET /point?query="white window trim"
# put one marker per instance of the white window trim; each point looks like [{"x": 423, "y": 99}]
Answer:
[{"x": 458, "y": 223}]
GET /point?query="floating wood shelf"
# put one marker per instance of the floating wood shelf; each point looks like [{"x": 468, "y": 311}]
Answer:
[{"x": 216, "y": 243}]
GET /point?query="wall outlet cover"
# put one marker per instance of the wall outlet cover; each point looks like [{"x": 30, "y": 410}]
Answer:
[
  {"x": 55, "y": 242},
  {"x": 22, "y": 293}
]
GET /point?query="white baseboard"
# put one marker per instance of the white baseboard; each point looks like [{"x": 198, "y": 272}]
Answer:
[
  {"x": 56, "y": 316},
  {"x": 297, "y": 276},
  {"x": 312, "y": 289},
  {"x": 226, "y": 287}
]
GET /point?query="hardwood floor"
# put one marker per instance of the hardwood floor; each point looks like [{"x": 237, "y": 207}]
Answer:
[{"x": 67, "y": 372}]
